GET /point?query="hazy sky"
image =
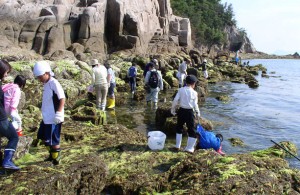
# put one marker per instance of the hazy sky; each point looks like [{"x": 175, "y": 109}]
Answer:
[{"x": 273, "y": 26}]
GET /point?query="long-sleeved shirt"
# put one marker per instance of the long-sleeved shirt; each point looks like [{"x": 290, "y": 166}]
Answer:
[
  {"x": 99, "y": 75},
  {"x": 12, "y": 95},
  {"x": 187, "y": 98}
]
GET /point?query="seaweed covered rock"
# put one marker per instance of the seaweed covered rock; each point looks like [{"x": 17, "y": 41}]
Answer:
[
  {"x": 86, "y": 113},
  {"x": 85, "y": 176}
]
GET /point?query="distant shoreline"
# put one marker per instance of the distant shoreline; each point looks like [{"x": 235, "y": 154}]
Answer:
[{"x": 260, "y": 55}]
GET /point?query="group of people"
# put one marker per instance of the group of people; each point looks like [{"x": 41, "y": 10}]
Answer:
[
  {"x": 103, "y": 83},
  {"x": 53, "y": 100}
]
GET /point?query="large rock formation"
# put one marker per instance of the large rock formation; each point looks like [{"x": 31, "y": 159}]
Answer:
[{"x": 83, "y": 28}]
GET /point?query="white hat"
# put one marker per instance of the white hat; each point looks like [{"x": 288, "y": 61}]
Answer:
[
  {"x": 205, "y": 60},
  {"x": 41, "y": 67},
  {"x": 94, "y": 62},
  {"x": 155, "y": 61}
]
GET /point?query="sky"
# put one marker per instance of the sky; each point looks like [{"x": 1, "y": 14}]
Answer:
[{"x": 273, "y": 26}]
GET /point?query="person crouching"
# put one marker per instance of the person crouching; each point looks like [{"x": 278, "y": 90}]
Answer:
[{"x": 209, "y": 140}]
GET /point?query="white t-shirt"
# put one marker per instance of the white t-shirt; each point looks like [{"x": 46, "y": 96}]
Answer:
[{"x": 48, "y": 111}]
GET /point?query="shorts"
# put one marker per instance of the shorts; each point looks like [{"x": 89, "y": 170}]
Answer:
[{"x": 50, "y": 133}]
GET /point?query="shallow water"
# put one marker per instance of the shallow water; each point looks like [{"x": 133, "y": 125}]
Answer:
[{"x": 256, "y": 116}]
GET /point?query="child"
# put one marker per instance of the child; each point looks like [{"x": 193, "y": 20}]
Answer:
[
  {"x": 209, "y": 140},
  {"x": 187, "y": 98},
  {"x": 111, "y": 86},
  {"x": 12, "y": 95},
  {"x": 52, "y": 110},
  {"x": 181, "y": 74},
  {"x": 132, "y": 73},
  {"x": 6, "y": 128}
]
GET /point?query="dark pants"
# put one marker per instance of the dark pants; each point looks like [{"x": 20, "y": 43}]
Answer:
[
  {"x": 132, "y": 83},
  {"x": 186, "y": 116},
  {"x": 7, "y": 130}
]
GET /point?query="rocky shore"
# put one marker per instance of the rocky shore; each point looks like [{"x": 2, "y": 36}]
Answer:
[{"x": 101, "y": 158}]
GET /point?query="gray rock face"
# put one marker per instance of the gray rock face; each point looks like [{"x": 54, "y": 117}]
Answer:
[
  {"x": 100, "y": 26},
  {"x": 234, "y": 38}
]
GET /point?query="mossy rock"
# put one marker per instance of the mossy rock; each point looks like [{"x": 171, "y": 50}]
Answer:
[
  {"x": 86, "y": 113},
  {"x": 236, "y": 142}
]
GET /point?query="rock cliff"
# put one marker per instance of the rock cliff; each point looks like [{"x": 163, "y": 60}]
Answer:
[{"x": 83, "y": 28}]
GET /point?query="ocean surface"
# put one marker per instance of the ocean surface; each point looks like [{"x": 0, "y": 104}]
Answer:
[{"x": 256, "y": 116}]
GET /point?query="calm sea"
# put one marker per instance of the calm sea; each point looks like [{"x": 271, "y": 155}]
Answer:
[{"x": 256, "y": 116}]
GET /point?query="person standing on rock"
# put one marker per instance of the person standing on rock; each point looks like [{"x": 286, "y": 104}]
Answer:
[
  {"x": 131, "y": 74},
  {"x": 187, "y": 98},
  {"x": 154, "y": 83},
  {"x": 204, "y": 70},
  {"x": 53, "y": 102},
  {"x": 12, "y": 96},
  {"x": 181, "y": 74},
  {"x": 99, "y": 81},
  {"x": 6, "y": 128},
  {"x": 111, "y": 80}
]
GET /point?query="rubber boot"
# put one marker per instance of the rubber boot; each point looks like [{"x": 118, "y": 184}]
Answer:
[
  {"x": 191, "y": 142},
  {"x": 7, "y": 161},
  {"x": 55, "y": 154},
  {"x": 111, "y": 103},
  {"x": 178, "y": 141},
  {"x": 155, "y": 105},
  {"x": 50, "y": 156}
]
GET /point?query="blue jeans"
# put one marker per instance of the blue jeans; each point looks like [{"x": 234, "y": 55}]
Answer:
[{"x": 7, "y": 130}]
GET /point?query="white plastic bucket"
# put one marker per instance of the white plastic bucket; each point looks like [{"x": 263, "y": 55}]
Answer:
[{"x": 156, "y": 140}]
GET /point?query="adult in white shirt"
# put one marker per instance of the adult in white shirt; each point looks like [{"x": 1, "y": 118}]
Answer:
[
  {"x": 181, "y": 74},
  {"x": 99, "y": 81}
]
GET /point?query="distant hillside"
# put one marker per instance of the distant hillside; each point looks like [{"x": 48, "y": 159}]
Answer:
[{"x": 213, "y": 24}]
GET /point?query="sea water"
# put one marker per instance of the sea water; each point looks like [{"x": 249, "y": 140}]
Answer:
[{"x": 257, "y": 116}]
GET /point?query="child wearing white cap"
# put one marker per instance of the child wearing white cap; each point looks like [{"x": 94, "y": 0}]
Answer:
[{"x": 52, "y": 110}]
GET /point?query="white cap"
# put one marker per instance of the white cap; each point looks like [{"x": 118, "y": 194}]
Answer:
[
  {"x": 41, "y": 67},
  {"x": 94, "y": 62},
  {"x": 155, "y": 61},
  {"x": 205, "y": 60}
]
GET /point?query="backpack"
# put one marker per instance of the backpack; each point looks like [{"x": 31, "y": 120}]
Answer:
[
  {"x": 153, "y": 79},
  {"x": 132, "y": 71}
]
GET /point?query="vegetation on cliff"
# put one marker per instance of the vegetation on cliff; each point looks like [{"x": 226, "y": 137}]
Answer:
[{"x": 208, "y": 19}]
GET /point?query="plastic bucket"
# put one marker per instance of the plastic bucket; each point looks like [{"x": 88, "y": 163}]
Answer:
[{"x": 156, "y": 140}]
